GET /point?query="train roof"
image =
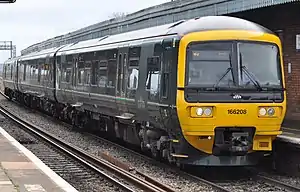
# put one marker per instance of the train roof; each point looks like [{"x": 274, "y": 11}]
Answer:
[
  {"x": 41, "y": 54},
  {"x": 11, "y": 60},
  {"x": 178, "y": 28},
  {"x": 210, "y": 23},
  {"x": 108, "y": 42}
]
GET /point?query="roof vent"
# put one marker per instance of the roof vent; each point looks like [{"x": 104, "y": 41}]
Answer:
[
  {"x": 75, "y": 43},
  {"x": 103, "y": 38},
  {"x": 177, "y": 23}
]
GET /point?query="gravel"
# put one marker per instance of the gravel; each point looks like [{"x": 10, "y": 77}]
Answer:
[
  {"x": 78, "y": 176},
  {"x": 294, "y": 181},
  {"x": 250, "y": 185},
  {"x": 93, "y": 146},
  {"x": 163, "y": 174}
]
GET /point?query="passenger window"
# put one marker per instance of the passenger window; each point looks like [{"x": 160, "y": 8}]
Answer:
[
  {"x": 80, "y": 76},
  {"x": 102, "y": 77},
  {"x": 119, "y": 76},
  {"x": 27, "y": 66},
  {"x": 87, "y": 69},
  {"x": 87, "y": 75},
  {"x": 80, "y": 73},
  {"x": 39, "y": 71},
  {"x": 5, "y": 71},
  {"x": 68, "y": 75},
  {"x": 133, "y": 71},
  {"x": 65, "y": 71},
  {"x": 111, "y": 68},
  {"x": 87, "y": 59},
  {"x": 153, "y": 78},
  {"x": 50, "y": 68},
  {"x": 36, "y": 72},
  {"x": 31, "y": 72},
  {"x": 95, "y": 66},
  {"x": 63, "y": 75},
  {"x": 24, "y": 74},
  {"x": 11, "y": 71},
  {"x": 154, "y": 74}
]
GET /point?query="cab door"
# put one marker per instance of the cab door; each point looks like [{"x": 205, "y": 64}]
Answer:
[
  {"x": 142, "y": 96},
  {"x": 121, "y": 82}
]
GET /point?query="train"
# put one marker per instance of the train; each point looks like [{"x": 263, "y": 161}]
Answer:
[{"x": 208, "y": 91}]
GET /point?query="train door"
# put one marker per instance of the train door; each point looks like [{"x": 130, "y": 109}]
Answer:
[
  {"x": 46, "y": 81},
  {"x": 77, "y": 63},
  {"x": 141, "y": 98},
  {"x": 64, "y": 77},
  {"x": 15, "y": 75},
  {"x": 168, "y": 86},
  {"x": 121, "y": 81},
  {"x": 168, "y": 58}
]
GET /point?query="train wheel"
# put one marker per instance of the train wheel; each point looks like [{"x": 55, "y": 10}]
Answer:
[
  {"x": 110, "y": 128},
  {"x": 155, "y": 153},
  {"x": 274, "y": 167},
  {"x": 74, "y": 121},
  {"x": 179, "y": 165},
  {"x": 10, "y": 96}
]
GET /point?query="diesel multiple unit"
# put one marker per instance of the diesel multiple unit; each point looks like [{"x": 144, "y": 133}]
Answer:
[{"x": 206, "y": 91}]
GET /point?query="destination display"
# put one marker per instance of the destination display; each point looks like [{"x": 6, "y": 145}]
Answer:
[{"x": 211, "y": 55}]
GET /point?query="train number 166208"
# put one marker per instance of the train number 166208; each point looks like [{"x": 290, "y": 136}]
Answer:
[{"x": 237, "y": 111}]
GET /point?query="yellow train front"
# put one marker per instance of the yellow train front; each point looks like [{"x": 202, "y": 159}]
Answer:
[{"x": 231, "y": 97}]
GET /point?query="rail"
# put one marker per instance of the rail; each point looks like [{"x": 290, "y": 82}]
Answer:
[
  {"x": 278, "y": 183},
  {"x": 88, "y": 160},
  {"x": 114, "y": 161},
  {"x": 128, "y": 169}
]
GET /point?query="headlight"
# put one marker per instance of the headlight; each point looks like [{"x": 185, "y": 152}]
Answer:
[
  {"x": 199, "y": 111},
  {"x": 207, "y": 112},
  {"x": 271, "y": 111},
  {"x": 262, "y": 111},
  {"x": 267, "y": 111}
]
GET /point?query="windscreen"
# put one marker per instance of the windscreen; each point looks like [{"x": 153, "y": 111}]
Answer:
[
  {"x": 262, "y": 62},
  {"x": 208, "y": 63},
  {"x": 233, "y": 64}
]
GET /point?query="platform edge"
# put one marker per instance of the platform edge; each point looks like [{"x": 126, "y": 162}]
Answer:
[
  {"x": 60, "y": 182},
  {"x": 288, "y": 139}
]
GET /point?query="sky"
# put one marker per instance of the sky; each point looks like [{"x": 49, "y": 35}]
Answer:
[{"x": 27, "y": 22}]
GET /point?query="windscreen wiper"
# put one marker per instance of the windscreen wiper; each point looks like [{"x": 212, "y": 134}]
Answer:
[
  {"x": 253, "y": 79},
  {"x": 224, "y": 75},
  {"x": 249, "y": 75}
]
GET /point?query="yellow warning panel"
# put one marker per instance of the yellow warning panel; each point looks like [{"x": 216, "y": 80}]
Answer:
[{"x": 262, "y": 143}]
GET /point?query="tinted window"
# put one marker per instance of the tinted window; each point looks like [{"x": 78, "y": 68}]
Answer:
[
  {"x": 261, "y": 60},
  {"x": 208, "y": 63}
]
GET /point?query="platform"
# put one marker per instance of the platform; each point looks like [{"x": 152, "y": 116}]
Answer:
[
  {"x": 290, "y": 135},
  {"x": 21, "y": 170}
]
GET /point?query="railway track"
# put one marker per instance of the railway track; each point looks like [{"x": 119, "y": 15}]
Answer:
[
  {"x": 115, "y": 161},
  {"x": 278, "y": 183},
  {"x": 215, "y": 185},
  {"x": 268, "y": 180},
  {"x": 257, "y": 183},
  {"x": 90, "y": 161},
  {"x": 116, "y": 164}
]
